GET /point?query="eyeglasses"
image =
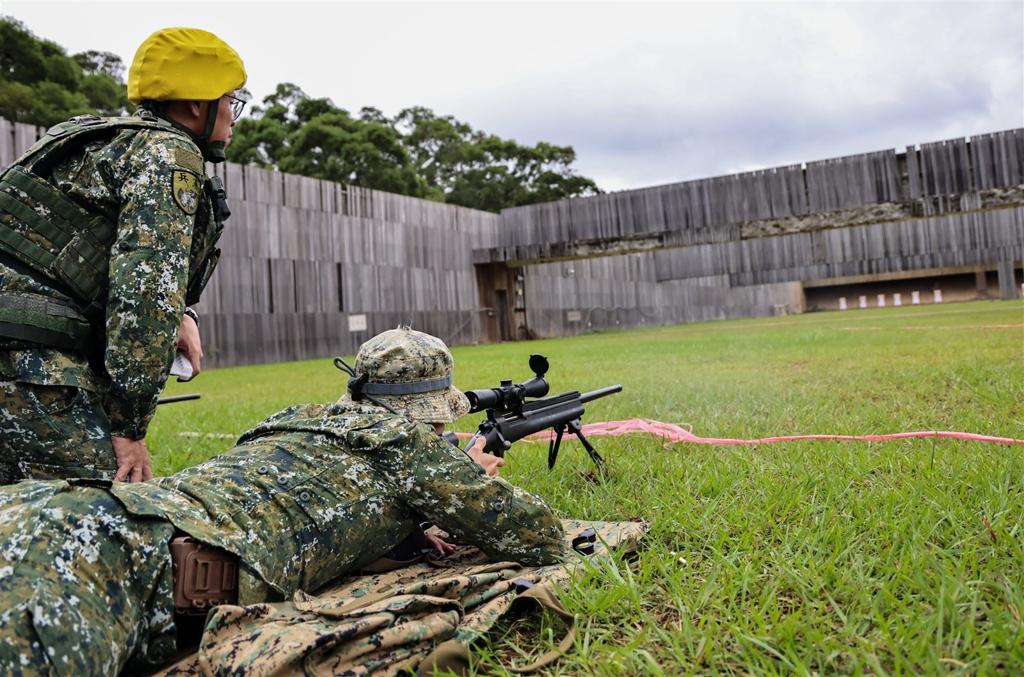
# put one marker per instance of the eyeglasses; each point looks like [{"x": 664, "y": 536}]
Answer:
[{"x": 238, "y": 101}]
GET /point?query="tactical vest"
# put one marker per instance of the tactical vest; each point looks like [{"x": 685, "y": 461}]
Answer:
[{"x": 69, "y": 250}]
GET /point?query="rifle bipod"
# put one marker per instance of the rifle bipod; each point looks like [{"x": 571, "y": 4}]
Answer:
[{"x": 574, "y": 427}]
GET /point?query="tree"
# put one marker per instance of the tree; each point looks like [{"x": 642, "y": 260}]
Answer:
[
  {"x": 93, "y": 62},
  {"x": 21, "y": 58},
  {"x": 40, "y": 84},
  {"x": 480, "y": 170},
  {"x": 297, "y": 133},
  {"x": 416, "y": 153}
]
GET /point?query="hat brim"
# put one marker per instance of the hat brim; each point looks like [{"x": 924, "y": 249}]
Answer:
[{"x": 439, "y": 406}]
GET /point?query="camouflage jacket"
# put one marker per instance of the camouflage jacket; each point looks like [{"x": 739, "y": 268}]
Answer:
[
  {"x": 131, "y": 179},
  {"x": 318, "y": 491}
]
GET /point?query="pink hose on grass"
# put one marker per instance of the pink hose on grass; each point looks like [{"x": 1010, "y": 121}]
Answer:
[{"x": 676, "y": 433}]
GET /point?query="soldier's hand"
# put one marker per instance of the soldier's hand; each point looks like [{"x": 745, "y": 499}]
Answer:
[
  {"x": 132, "y": 460},
  {"x": 190, "y": 343},
  {"x": 441, "y": 546},
  {"x": 488, "y": 462}
]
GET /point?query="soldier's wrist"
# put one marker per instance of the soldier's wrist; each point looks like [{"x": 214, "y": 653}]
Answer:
[
  {"x": 193, "y": 314},
  {"x": 130, "y": 431},
  {"x": 127, "y": 421}
]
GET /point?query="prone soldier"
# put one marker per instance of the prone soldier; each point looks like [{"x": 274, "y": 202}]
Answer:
[
  {"x": 312, "y": 493},
  {"x": 108, "y": 231}
]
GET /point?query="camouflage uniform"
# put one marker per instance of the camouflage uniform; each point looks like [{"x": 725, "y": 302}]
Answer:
[
  {"x": 60, "y": 405},
  {"x": 313, "y": 493},
  {"x": 317, "y": 491},
  {"x": 85, "y": 586}
]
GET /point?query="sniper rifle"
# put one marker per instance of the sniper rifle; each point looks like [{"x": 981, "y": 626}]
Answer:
[{"x": 511, "y": 417}]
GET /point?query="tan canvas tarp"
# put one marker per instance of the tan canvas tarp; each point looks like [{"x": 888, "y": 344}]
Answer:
[{"x": 418, "y": 617}]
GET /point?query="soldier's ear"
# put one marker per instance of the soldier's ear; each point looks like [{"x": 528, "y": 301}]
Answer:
[
  {"x": 191, "y": 114},
  {"x": 197, "y": 109}
]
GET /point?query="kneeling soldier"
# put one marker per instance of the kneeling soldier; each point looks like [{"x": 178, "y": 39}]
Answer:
[{"x": 312, "y": 493}]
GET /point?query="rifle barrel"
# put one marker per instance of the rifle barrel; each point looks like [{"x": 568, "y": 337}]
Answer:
[
  {"x": 600, "y": 392},
  {"x": 178, "y": 398}
]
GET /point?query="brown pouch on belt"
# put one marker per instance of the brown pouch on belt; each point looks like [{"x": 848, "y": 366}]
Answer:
[{"x": 204, "y": 576}]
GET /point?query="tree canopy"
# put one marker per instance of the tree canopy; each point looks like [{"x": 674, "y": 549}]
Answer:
[
  {"x": 41, "y": 85},
  {"x": 417, "y": 152}
]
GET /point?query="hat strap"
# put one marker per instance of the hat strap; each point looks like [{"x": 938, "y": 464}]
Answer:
[
  {"x": 374, "y": 388},
  {"x": 356, "y": 384}
]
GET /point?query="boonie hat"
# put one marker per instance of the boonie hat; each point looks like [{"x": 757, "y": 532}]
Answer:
[{"x": 411, "y": 372}]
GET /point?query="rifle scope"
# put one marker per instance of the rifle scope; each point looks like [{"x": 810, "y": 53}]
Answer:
[{"x": 510, "y": 396}]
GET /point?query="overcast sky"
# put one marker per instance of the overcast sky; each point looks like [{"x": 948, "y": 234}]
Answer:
[{"x": 645, "y": 93}]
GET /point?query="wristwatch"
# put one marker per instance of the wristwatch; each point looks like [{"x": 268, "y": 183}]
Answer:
[{"x": 193, "y": 314}]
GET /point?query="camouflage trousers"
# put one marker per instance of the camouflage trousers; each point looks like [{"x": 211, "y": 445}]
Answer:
[
  {"x": 85, "y": 587},
  {"x": 53, "y": 432}
]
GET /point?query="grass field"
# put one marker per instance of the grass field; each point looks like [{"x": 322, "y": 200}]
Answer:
[{"x": 805, "y": 557}]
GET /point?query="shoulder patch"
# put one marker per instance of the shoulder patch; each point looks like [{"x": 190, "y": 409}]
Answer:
[
  {"x": 186, "y": 159},
  {"x": 185, "y": 188}
]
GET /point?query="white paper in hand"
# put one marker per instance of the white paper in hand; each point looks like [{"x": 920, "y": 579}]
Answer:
[{"x": 181, "y": 368}]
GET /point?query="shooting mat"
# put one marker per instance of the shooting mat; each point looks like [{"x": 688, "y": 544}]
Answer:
[{"x": 417, "y": 618}]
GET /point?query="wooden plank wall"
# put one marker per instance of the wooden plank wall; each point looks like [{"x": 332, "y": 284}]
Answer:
[
  {"x": 945, "y": 167},
  {"x": 951, "y": 240},
  {"x": 302, "y": 256},
  {"x": 7, "y": 154},
  {"x": 573, "y": 297},
  {"x": 853, "y": 181},
  {"x": 755, "y": 277},
  {"x": 15, "y": 139},
  {"x": 694, "y": 211},
  {"x": 717, "y": 275},
  {"x": 998, "y": 159},
  {"x": 712, "y": 210}
]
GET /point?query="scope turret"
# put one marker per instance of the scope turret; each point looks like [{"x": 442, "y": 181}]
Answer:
[{"x": 510, "y": 396}]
